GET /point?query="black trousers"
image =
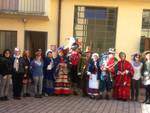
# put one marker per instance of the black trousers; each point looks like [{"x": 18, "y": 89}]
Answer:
[
  {"x": 84, "y": 84},
  {"x": 17, "y": 84},
  {"x": 73, "y": 73},
  {"x": 135, "y": 86}
]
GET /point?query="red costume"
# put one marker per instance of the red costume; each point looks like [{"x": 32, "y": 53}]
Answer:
[{"x": 123, "y": 80}]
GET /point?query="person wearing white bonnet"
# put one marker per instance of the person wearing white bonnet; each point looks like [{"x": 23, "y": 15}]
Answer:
[
  {"x": 18, "y": 73},
  {"x": 48, "y": 51},
  {"x": 95, "y": 56},
  {"x": 49, "y": 70},
  {"x": 93, "y": 73}
]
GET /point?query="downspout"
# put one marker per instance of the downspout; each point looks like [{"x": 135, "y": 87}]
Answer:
[{"x": 59, "y": 22}]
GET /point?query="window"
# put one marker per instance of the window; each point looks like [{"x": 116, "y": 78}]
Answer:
[
  {"x": 146, "y": 24},
  {"x": 96, "y": 27},
  {"x": 9, "y": 5},
  {"x": 145, "y": 38},
  {"x": 8, "y": 40}
]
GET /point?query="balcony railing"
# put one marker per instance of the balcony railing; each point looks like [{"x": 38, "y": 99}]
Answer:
[{"x": 23, "y": 7}]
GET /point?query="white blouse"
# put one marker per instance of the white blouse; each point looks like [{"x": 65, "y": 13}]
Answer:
[{"x": 137, "y": 70}]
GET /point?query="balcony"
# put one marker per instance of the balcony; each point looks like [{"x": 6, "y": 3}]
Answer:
[{"x": 23, "y": 7}]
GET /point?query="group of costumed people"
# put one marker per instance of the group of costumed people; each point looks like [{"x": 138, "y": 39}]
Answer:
[
  {"x": 103, "y": 75},
  {"x": 122, "y": 79},
  {"x": 69, "y": 70}
]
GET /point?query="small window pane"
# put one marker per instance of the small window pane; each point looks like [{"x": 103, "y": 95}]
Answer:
[{"x": 8, "y": 40}]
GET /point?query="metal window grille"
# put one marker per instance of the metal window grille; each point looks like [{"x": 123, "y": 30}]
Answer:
[
  {"x": 95, "y": 27},
  {"x": 146, "y": 24},
  {"x": 8, "y": 40}
]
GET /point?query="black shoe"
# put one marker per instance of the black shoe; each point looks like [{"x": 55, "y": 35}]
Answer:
[
  {"x": 2, "y": 98},
  {"x": 145, "y": 101},
  {"x": 36, "y": 96},
  {"x": 75, "y": 93},
  {"x": 40, "y": 96},
  {"x": 136, "y": 99},
  {"x": 148, "y": 102},
  {"x": 92, "y": 97},
  {"x": 28, "y": 95},
  {"x": 107, "y": 97},
  {"x": 24, "y": 95},
  {"x": 6, "y": 98},
  {"x": 132, "y": 98},
  {"x": 100, "y": 97},
  {"x": 17, "y": 98}
]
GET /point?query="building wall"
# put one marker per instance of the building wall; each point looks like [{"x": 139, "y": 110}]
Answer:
[
  {"x": 128, "y": 24},
  {"x": 129, "y": 21},
  {"x": 16, "y": 23}
]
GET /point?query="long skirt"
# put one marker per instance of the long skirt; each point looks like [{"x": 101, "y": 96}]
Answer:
[
  {"x": 62, "y": 84},
  {"x": 48, "y": 86},
  {"x": 120, "y": 90},
  {"x": 93, "y": 88}
]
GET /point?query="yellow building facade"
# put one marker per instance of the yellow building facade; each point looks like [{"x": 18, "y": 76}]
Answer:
[{"x": 128, "y": 30}]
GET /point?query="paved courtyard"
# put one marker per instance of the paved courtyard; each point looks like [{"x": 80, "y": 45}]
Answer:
[{"x": 71, "y": 104}]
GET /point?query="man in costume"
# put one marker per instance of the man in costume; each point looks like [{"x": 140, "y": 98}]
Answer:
[
  {"x": 83, "y": 66},
  {"x": 74, "y": 58},
  {"x": 107, "y": 64}
]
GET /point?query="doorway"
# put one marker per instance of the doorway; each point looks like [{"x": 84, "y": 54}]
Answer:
[{"x": 35, "y": 40}]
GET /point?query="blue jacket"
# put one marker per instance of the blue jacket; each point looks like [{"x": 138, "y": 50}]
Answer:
[
  {"x": 49, "y": 74},
  {"x": 93, "y": 70}
]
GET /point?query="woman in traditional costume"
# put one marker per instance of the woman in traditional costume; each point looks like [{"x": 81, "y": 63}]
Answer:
[
  {"x": 62, "y": 80},
  {"x": 49, "y": 71},
  {"x": 93, "y": 73},
  {"x": 124, "y": 73}
]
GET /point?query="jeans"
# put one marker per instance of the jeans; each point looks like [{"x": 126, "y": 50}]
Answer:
[{"x": 38, "y": 84}]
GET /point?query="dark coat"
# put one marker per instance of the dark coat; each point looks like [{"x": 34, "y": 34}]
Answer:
[
  {"x": 49, "y": 74},
  {"x": 22, "y": 64},
  {"x": 6, "y": 65}
]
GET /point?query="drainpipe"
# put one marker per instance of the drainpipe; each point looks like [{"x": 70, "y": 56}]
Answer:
[{"x": 59, "y": 22}]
